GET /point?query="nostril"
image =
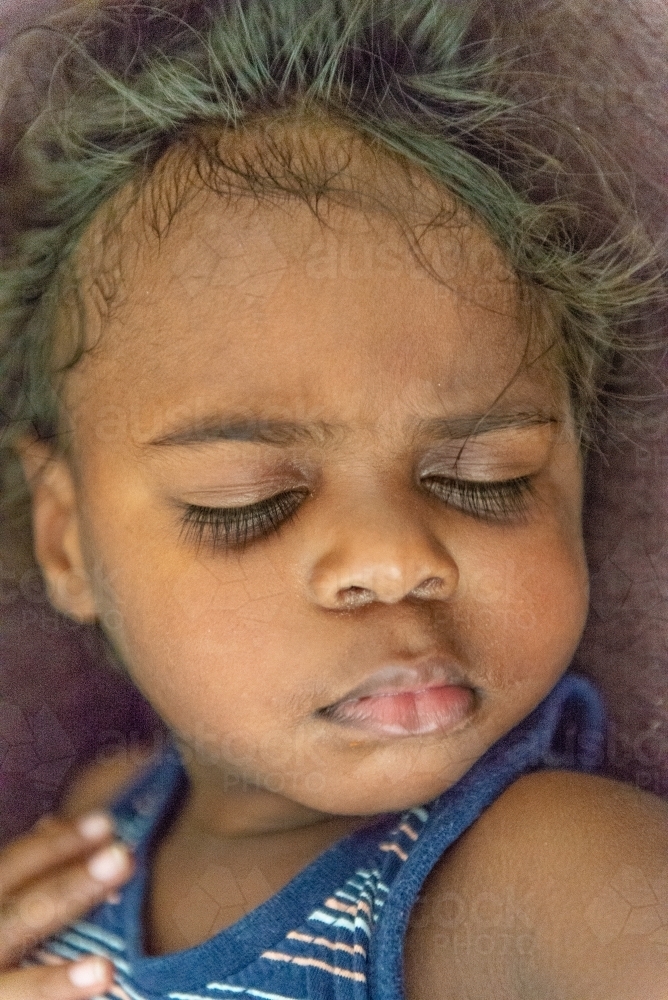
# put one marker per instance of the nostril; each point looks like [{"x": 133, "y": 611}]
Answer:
[
  {"x": 432, "y": 585},
  {"x": 354, "y": 597}
]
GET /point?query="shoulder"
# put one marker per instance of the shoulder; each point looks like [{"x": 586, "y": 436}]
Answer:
[
  {"x": 96, "y": 785},
  {"x": 559, "y": 889},
  {"x": 553, "y": 804}
]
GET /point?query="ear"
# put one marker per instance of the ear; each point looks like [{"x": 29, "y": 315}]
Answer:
[{"x": 55, "y": 526}]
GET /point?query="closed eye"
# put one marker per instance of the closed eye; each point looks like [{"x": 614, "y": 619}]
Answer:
[
  {"x": 237, "y": 527},
  {"x": 495, "y": 501}
]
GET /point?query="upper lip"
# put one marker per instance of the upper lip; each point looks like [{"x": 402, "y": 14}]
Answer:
[{"x": 395, "y": 677}]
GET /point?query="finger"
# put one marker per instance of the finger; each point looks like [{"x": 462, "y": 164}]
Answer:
[
  {"x": 69, "y": 981},
  {"x": 51, "y": 844},
  {"x": 48, "y": 819},
  {"x": 58, "y": 899}
]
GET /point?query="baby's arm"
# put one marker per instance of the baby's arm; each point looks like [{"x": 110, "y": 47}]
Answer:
[{"x": 558, "y": 892}]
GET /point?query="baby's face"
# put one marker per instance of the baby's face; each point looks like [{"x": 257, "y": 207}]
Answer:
[{"x": 257, "y": 354}]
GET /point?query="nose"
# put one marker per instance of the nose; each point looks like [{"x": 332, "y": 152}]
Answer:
[{"x": 384, "y": 558}]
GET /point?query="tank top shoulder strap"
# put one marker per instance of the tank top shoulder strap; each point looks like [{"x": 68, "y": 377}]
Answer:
[{"x": 143, "y": 803}]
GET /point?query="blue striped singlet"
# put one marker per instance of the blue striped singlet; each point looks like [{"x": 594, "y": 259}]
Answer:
[{"x": 336, "y": 930}]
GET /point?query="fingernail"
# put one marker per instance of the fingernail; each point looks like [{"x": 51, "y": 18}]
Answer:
[
  {"x": 95, "y": 826},
  {"x": 107, "y": 865},
  {"x": 90, "y": 972}
]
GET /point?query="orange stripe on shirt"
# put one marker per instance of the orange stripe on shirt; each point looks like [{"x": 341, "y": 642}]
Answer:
[
  {"x": 405, "y": 828},
  {"x": 335, "y": 904},
  {"x": 356, "y": 949},
  {"x": 279, "y": 956},
  {"x": 395, "y": 848}
]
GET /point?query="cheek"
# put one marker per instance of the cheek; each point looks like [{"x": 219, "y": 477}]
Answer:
[
  {"x": 216, "y": 623},
  {"x": 527, "y": 607}
]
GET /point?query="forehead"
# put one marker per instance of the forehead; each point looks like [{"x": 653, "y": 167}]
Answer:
[{"x": 265, "y": 303}]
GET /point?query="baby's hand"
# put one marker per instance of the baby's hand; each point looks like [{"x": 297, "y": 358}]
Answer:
[{"x": 48, "y": 878}]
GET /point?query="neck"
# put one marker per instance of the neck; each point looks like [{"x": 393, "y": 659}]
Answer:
[{"x": 224, "y": 805}]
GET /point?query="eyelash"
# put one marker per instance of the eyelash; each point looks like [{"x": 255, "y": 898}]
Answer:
[
  {"x": 237, "y": 527},
  {"x": 489, "y": 501}
]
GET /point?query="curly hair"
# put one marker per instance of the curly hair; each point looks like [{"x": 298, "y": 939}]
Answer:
[{"x": 96, "y": 96}]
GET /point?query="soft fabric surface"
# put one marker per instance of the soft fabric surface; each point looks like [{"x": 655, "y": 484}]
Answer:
[{"x": 59, "y": 707}]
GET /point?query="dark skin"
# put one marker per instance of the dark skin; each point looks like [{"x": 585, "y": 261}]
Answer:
[
  {"x": 525, "y": 883},
  {"x": 554, "y": 893},
  {"x": 226, "y": 879},
  {"x": 388, "y": 378}
]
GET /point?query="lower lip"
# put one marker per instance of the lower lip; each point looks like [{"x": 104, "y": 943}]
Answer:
[{"x": 406, "y": 713}]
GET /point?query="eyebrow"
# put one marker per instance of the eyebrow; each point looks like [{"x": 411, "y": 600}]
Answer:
[
  {"x": 280, "y": 433},
  {"x": 471, "y": 425},
  {"x": 283, "y": 433}
]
